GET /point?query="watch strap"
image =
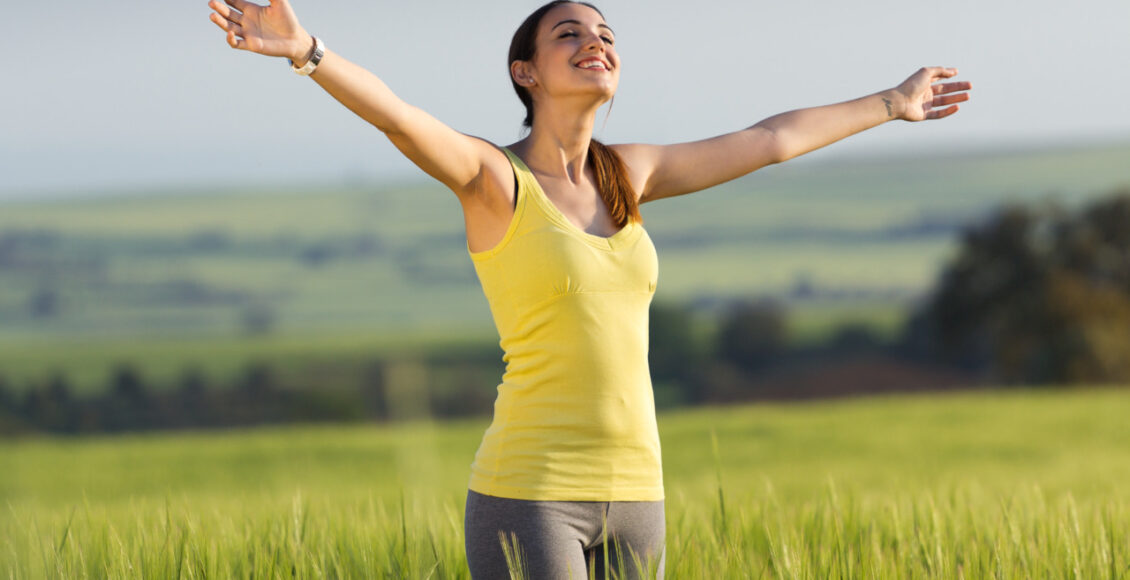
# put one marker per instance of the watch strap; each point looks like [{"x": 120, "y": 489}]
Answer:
[{"x": 315, "y": 59}]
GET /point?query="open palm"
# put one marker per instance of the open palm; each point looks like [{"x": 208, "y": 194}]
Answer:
[
  {"x": 926, "y": 99},
  {"x": 272, "y": 30}
]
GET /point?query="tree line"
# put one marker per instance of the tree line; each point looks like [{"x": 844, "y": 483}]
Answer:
[{"x": 1034, "y": 295}]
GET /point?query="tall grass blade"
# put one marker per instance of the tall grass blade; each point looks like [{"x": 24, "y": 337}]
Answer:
[
  {"x": 718, "y": 479},
  {"x": 66, "y": 533},
  {"x": 512, "y": 552}
]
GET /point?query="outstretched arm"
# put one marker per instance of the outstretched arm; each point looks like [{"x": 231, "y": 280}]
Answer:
[
  {"x": 668, "y": 170},
  {"x": 457, "y": 160}
]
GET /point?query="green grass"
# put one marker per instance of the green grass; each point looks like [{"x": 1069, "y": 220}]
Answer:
[{"x": 1018, "y": 484}]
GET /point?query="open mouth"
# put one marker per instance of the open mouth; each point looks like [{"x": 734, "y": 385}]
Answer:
[{"x": 592, "y": 64}]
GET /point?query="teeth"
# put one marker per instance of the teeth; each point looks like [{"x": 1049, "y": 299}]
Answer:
[{"x": 593, "y": 64}]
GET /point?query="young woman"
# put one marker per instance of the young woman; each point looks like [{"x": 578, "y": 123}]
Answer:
[{"x": 571, "y": 463}]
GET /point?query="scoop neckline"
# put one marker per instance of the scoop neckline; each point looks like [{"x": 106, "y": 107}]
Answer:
[{"x": 557, "y": 216}]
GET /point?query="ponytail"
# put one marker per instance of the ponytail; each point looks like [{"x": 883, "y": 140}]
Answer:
[{"x": 612, "y": 182}]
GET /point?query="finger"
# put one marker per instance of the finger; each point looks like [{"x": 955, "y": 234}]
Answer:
[
  {"x": 235, "y": 41},
  {"x": 942, "y": 113},
  {"x": 226, "y": 12},
  {"x": 240, "y": 5},
  {"x": 943, "y": 88},
  {"x": 220, "y": 21},
  {"x": 939, "y": 72},
  {"x": 227, "y": 25},
  {"x": 949, "y": 100}
]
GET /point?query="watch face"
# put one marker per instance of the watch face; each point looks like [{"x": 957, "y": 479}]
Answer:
[
  {"x": 315, "y": 58},
  {"x": 319, "y": 51}
]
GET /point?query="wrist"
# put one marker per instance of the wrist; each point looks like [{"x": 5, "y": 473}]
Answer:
[
  {"x": 303, "y": 50},
  {"x": 894, "y": 103}
]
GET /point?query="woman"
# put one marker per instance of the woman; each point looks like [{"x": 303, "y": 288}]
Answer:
[{"x": 569, "y": 470}]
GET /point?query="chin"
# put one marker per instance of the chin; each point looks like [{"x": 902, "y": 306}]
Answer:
[{"x": 606, "y": 92}]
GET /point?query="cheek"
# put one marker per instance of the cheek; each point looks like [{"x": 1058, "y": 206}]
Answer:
[{"x": 550, "y": 57}]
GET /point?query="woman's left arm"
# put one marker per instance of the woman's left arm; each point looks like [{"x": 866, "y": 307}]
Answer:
[{"x": 661, "y": 171}]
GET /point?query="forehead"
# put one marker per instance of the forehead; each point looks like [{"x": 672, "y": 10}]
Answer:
[{"x": 570, "y": 11}]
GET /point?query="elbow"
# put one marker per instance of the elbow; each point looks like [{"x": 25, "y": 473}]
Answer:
[
  {"x": 772, "y": 145},
  {"x": 390, "y": 125},
  {"x": 776, "y": 147}
]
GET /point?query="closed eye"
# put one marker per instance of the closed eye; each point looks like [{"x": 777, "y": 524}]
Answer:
[{"x": 607, "y": 39}]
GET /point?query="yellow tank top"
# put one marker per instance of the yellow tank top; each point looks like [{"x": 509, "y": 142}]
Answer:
[{"x": 575, "y": 416}]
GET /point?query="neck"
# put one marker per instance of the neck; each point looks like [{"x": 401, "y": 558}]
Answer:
[{"x": 558, "y": 143}]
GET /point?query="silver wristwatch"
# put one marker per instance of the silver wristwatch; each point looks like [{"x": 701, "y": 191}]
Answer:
[{"x": 315, "y": 58}]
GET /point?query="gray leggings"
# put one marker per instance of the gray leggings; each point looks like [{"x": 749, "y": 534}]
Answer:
[{"x": 562, "y": 539}]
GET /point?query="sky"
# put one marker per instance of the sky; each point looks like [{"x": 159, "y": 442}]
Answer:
[{"x": 104, "y": 98}]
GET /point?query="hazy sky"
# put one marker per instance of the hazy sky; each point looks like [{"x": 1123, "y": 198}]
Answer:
[{"x": 104, "y": 97}]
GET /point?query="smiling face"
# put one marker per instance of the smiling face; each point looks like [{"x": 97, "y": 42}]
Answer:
[{"x": 574, "y": 56}]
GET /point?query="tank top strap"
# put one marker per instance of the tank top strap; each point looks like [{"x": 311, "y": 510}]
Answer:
[
  {"x": 527, "y": 183},
  {"x": 530, "y": 195},
  {"x": 530, "y": 192}
]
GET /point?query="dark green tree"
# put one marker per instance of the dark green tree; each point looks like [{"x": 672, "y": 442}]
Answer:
[
  {"x": 1042, "y": 295},
  {"x": 7, "y": 399},
  {"x": 673, "y": 355},
  {"x": 193, "y": 401},
  {"x": 752, "y": 335},
  {"x": 128, "y": 406},
  {"x": 61, "y": 409}
]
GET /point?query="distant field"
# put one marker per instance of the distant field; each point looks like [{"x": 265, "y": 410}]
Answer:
[
  {"x": 168, "y": 280},
  {"x": 88, "y": 363},
  {"x": 1017, "y": 484}
]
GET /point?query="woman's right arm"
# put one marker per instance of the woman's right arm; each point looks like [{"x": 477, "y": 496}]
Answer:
[{"x": 464, "y": 164}]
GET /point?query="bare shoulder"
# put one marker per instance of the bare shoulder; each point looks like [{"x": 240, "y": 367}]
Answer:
[
  {"x": 638, "y": 153},
  {"x": 641, "y": 161}
]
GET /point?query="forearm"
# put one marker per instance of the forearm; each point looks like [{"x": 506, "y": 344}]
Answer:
[
  {"x": 803, "y": 130},
  {"x": 359, "y": 90}
]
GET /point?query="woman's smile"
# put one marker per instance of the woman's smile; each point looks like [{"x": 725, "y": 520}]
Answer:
[{"x": 593, "y": 63}]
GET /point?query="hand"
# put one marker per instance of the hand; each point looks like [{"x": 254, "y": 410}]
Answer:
[
  {"x": 272, "y": 30},
  {"x": 927, "y": 100}
]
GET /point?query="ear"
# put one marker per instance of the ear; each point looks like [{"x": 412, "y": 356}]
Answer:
[{"x": 522, "y": 73}]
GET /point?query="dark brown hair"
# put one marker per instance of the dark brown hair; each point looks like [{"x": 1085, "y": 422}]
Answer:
[{"x": 607, "y": 165}]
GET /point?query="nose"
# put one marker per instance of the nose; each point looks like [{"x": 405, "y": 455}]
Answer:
[{"x": 594, "y": 42}]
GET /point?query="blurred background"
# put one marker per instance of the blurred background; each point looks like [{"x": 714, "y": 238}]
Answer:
[{"x": 192, "y": 236}]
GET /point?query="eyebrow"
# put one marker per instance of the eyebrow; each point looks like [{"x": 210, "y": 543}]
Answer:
[{"x": 579, "y": 23}]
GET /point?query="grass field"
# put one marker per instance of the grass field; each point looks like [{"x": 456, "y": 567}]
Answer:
[{"x": 1000, "y": 484}]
